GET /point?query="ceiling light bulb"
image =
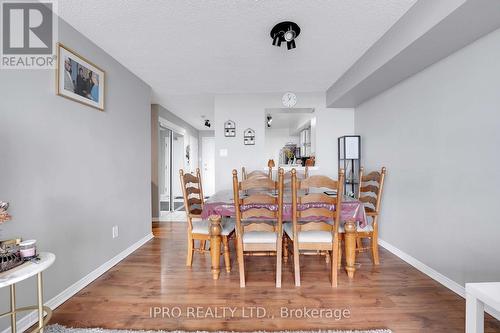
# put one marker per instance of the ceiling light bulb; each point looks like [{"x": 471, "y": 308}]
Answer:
[{"x": 289, "y": 35}]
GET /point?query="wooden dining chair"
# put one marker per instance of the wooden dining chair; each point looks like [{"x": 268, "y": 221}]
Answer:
[
  {"x": 259, "y": 217},
  {"x": 370, "y": 193},
  {"x": 319, "y": 236},
  {"x": 303, "y": 174},
  {"x": 192, "y": 191},
  {"x": 256, "y": 173}
]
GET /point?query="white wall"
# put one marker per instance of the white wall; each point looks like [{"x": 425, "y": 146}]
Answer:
[
  {"x": 248, "y": 111},
  {"x": 438, "y": 133},
  {"x": 71, "y": 172}
]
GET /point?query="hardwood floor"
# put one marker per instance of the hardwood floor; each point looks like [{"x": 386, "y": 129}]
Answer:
[{"x": 393, "y": 295}]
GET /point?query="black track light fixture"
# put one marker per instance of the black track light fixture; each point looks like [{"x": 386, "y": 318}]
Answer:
[
  {"x": 277, "y": 39},
  {"x": 285, "y": 32},
  {"x": 269, "y": 121}
]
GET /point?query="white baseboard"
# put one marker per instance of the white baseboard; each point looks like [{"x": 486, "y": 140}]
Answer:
[
  {"x": 160, "y": 220},
  {"x": 31, "y": 318},
  {"x": 432, "y": 273}
]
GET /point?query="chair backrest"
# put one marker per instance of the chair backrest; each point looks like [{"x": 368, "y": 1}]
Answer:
[
  {"x": 192, "y": 191},
  {"x": 256, "y": 173},
  {"x": 370, "y": 189},
  {"x": 300, "y": 175},
  {"x": 307, "y": 204},
  {"x": 256, "y": 195}
]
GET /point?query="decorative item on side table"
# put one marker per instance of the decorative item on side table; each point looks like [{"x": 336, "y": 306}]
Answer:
[
  {"x": 4, "y": 216},
  {"x": 15, "y": 253},
  {"x": 249, "y": 137},
  {"x": 27, "y": 249},
  {"x": 9, "y": 253},
  {"x": 78, "y": 79},
  {"x": 230, "y": 128}
]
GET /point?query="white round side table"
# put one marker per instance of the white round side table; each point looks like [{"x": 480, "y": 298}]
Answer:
[{"x": 20, "y": 273}]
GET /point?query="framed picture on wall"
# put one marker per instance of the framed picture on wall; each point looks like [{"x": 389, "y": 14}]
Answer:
[
  {"x": 79, "y": 79},
  {"x": 249, "y": 137}
]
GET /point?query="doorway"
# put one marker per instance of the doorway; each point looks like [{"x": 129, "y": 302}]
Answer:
[{"x": 171, "y": 159}]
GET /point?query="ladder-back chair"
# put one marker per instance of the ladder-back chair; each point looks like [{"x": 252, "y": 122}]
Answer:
[
  {"x": 256, "y": 173},
  {"x": 192, "y": 191},
  {"x": 301, "y": 175},
  {"x": 370, "y": 193},
  {"x": 321, "y": 235},
  {"x": 258, "y": 219}
]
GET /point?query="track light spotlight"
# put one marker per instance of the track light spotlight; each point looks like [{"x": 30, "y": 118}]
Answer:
[
  {"x": 285, "y": 32},
  {"x": 207, "y": 123},
  {"x": 289, "y": 35},
  {"x": 277, "y": 40},
  {"x": 269, "y": 120}
]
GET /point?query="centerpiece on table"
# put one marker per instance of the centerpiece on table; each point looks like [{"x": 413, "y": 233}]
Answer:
[{"x": 9, "y": 252}]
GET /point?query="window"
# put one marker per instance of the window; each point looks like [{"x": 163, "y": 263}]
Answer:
[{"x": 305, "y": 142}]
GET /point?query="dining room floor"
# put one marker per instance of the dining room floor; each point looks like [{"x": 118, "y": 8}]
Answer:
[{"x": 153, "y": 289}]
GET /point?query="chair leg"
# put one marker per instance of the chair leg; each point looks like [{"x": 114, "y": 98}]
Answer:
[
  {"x": 235, "y": 240},
  {"x": 374, "y": 242},
  {"x": 279, "y": 247},
  {"x": 339, "y": 263},
  {"x": 227, "y": 254},
  {"x": 285, "y": 249},
  {"x": 296, "y": 263},
  {"x": 334, "y": 265},
  {"x": 189, "y": 260},
  {"x": 327, "y": 256},
  {"x": 241, "y": 263},
  {"x": 359, "y": 244},
  {"x": 203, "y": 244}
]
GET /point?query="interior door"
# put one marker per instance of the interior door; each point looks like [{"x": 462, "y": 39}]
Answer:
[
  {"x": 164, "y": 174},
  {"x": 208, "y": 165}
]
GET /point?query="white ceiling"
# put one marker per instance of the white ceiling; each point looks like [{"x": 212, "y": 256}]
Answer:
[{"x": 189, "y": 50}]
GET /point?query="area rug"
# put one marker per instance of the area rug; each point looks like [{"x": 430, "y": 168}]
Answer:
[{"x": 62, "y": 329}]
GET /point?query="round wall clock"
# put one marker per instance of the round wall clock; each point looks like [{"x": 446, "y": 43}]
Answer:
[{"x": 289, "y": 99}]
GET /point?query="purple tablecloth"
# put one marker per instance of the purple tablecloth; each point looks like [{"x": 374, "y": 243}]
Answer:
[{"x": 222, "y": 203}]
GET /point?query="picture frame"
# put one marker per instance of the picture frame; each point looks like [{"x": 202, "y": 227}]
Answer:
[
  {"x": 229, "y": 128},
  {"x": 249, "y": 137},
  {"x": 78, "y": 79}
]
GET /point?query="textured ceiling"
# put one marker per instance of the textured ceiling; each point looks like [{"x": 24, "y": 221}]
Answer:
[{"x": 188, "y": 50}]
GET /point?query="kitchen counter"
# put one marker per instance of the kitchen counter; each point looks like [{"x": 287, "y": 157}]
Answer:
[{"x": 288, "y": 167}]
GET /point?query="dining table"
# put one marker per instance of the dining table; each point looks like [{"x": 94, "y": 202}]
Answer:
[{"x": 221, "y": 205}]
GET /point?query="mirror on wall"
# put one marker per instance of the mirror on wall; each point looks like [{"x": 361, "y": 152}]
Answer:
[{"x": 290, "y": 136}]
